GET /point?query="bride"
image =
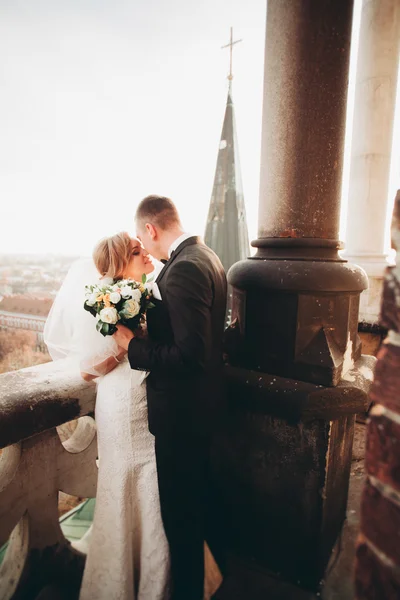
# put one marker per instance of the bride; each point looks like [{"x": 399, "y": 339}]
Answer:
[{"x": 128, "y": 555}]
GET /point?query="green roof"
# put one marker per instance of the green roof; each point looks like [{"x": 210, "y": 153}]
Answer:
[
  {"x": 74, "y": 523},
  {"x": 77, "y": 521}
]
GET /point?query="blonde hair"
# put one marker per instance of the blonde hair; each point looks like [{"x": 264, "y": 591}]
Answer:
[{"x": 113, "y": 254}]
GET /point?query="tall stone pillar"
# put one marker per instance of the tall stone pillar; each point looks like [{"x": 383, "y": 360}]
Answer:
[
  {"x": 367, "y": 235},
  {"x": 297, "y": 377}
]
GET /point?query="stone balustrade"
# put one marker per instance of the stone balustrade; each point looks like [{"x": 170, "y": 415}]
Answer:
[{"x": 39, "y": 459}]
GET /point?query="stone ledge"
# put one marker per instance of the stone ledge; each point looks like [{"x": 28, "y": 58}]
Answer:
[
  {"x": 297, "y": 400},
  {"x": 38, "y": 398}
]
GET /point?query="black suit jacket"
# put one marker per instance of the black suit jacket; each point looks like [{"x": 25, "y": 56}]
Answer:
[{"x": 184, "y": 349}]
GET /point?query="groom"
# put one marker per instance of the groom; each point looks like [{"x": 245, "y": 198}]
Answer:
[{"x": 184, "y": 388}]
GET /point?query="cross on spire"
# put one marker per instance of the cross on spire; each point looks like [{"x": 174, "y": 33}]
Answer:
[{"x": 230, "y": 46}]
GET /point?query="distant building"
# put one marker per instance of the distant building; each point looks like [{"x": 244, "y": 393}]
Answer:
[
  {"x": 5, "y": 289},
  {"x": 226, "y": 229},
  {"x": 25, "y": 312}
]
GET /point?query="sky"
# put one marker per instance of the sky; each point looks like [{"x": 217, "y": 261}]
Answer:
[{"x": 105, "y": 101}]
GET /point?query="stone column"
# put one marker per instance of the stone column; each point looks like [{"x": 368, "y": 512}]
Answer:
[
  {"x": 304, "y": 327},
  {"x": 367, "y": 235},
  {"x": 295, "y": 380}
]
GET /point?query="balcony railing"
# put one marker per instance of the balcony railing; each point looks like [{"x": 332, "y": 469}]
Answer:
[
  {"x": 42, "y": 456},
  {"x": 39, "y": 459}
]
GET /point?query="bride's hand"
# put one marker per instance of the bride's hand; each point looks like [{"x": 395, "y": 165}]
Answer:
[{"x": 121, "y": 354}]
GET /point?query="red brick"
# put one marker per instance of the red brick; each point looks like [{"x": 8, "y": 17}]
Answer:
[
  {"x": 380, "y": 522},
  {"x": 374, "y": 580},
  {"x": 386, "y": 386},
  {"x": 382, "y": 458}
]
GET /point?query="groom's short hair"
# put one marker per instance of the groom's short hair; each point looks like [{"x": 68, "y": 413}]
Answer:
[{"x": 159, "y": 210}]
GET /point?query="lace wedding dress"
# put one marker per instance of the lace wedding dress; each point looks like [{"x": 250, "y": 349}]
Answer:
[
  {"x": 128, "y": 556},
  {"x": 127, "y": 550}
]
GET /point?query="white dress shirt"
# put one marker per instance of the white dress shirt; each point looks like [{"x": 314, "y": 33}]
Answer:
[{"x": 178, "y": 242}]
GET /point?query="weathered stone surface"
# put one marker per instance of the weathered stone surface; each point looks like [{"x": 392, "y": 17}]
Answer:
[
  {"x": 283, "y": 461},
  {"x": 37, "y": 551},
  {"x": 306, "y": 64},
  {"x": 39, "y": 398},
  {"x": 259, "y": 460},
  {"x": 298, "y": 400},
  {"x": 35, "y": 466},
  {"x": 312, "y": 336}
]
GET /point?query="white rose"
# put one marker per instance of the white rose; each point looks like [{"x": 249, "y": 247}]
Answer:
[
  {"x": 91, "y": 301},
  {"x": 109, "y": 315},
  {"x": 136, "y": 295},
  {"x": 130, "y": 309},
  {"x": 115, "y": 297},
  {"x": 126, "y": 292}
]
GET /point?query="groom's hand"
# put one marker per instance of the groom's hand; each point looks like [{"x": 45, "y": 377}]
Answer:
[{"x": 123, "y": 336}]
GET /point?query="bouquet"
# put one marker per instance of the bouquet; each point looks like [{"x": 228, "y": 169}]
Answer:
[{"x": 125, "y": 302}]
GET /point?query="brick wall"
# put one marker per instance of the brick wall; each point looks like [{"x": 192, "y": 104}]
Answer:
[{"x": 377, "y": 572}]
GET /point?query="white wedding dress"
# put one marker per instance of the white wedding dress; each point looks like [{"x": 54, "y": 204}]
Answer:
[
  {"x": 128, "y": 556},
  {"x": 127, "y": 550}
]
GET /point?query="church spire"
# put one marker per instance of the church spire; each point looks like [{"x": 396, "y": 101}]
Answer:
[
  {"x": 230, "y": 46},
  {"x": 226, "y": 229}
]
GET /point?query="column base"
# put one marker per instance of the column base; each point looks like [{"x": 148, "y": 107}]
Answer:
[
  {"x": 297, "y": 318},
  {"x": 282, "y": 466}
]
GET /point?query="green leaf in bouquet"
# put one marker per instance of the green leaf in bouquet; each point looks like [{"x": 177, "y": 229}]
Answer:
[
  {"x": 133, "y": 323},
  {"x": 144, "y": 278},
  {"x": 105, "y": 328},
  {"x": 90, "y": 309},
  {"x": 151, "y": 305}
]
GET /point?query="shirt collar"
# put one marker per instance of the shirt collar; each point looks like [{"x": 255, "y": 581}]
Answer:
[{"x": 178, "y": 242}]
